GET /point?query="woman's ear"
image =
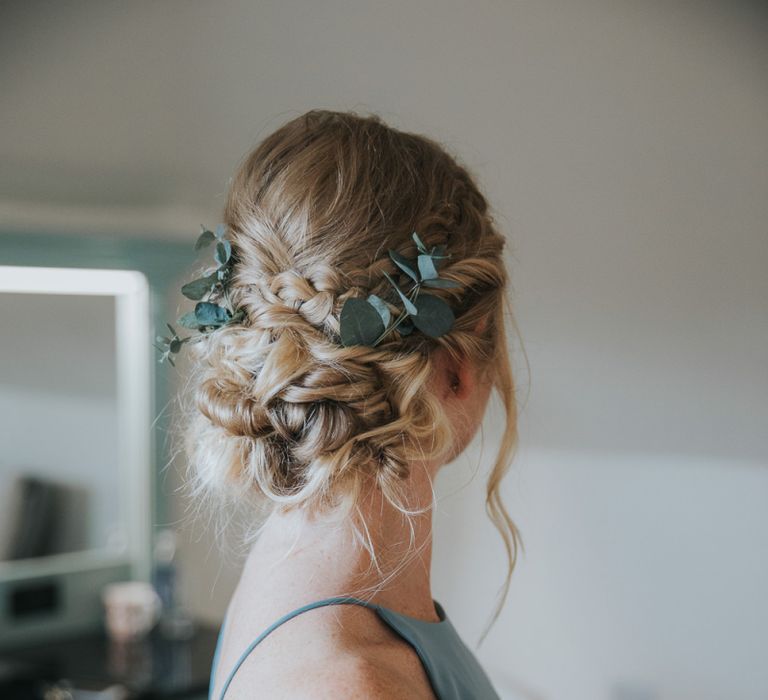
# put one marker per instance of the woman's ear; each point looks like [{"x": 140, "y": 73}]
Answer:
[
  {"x": 462, "y": 379},
  {"x": 444, "y": 378},
  {"x": 457, "y": 377},
  {"x": 463, "y": 390}
]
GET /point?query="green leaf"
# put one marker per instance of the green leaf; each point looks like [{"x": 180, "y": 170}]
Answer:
[
  {"x": 175, "y": 345},
  {"x": 172, "y": 329},
  {"x": 435, "y": 317},
  {"x": 189, "y": 320},
  {"x": 208, "y": 314},
  {"x": 422, "y": 248},
  {"x": 204, "y": 238},
  {"x": 438, "y": 255},
  {"x": 405, "y": 327},
  {"x": 404, "y": 264},
  {"x": 427, "y": 267},
  {"x": 409, "y": 307},
  {"x": 360, "y": 323},
  {"x": 198, "y": 288},
  {"x": 223, "y": 251},
  {"x": 441, "y": 284},
  {"x": 381, "y": 307},
  {"x": 221, "y": 229}
]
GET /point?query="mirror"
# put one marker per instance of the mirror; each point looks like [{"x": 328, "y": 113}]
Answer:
[
  {"x": 58, "y": 412},
  {"x": 75, "y": 441}
]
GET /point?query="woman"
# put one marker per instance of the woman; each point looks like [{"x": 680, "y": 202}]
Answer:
[{"x": 338, "y": 425}]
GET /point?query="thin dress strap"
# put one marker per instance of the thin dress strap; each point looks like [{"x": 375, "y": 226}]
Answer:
[{"x": 337, "y": 600}]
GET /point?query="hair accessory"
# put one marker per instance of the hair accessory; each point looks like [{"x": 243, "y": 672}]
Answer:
[
  {"x": 362, "y": 321},
  {"x": 367, "y": 321},
  {"x": 207, "y": 315}
]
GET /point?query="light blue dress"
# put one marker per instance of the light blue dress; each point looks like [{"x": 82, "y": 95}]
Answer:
[{"x": 452, "y": 669}]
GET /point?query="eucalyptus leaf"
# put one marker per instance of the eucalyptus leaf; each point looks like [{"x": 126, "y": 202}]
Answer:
[
  {"x": 175, "y": 345},
  {"x": 208, "y": 314},
  {"x": 409, "y": 307},
  {"x": 438, "y": 255},
  {"x": 221, "y": 229},
  {"x": 427, "y": 267},
  {"x": 435, "y": 317},
  {"x": 360, "y": 323},
  {"x": 405, "y": 327},
  {"x": 419, "y": 244},
  {"x": 204, "y": 239},
  {"x": 381, "y": 307},
  {"x": 441, "y": 283},
  {"x": 223, "y": 251},
  {"x": 198, "y": 288},
  {"x": 404, "y": 264},
  {"x": 189, "y": 320}
]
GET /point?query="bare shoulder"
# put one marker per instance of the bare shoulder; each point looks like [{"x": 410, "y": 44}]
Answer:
[
  {"x": 355, "y": 677},
  {"x": 345, "y": 676},
  {"x": 315, "y": 658}
]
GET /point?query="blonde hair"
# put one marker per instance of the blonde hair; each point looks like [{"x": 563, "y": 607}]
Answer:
[{"x": 283, "y": 414}]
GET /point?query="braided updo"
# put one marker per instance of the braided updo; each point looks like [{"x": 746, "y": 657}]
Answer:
[{"x": 285, "y": 414}]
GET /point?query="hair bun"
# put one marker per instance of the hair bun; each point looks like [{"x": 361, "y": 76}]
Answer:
[{"x": 291, "y": 402}]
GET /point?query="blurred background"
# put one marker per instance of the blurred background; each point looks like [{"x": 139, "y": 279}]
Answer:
[{"x": 624, "y": 148}]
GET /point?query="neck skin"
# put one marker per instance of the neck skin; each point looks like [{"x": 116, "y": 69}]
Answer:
[
  {"x": 299, "y": 563},
  {"x": 311, "y": 560}
]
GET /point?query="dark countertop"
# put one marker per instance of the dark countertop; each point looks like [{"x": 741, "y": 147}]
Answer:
[{"x": 155, "y": 667}]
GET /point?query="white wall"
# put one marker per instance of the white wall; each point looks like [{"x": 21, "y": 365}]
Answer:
[
  {"x": 624, "y": 147},
  {"x": 643, "y": 577}
]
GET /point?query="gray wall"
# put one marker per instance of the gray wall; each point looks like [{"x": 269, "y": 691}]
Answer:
[
  {"x": 624, "y": 147},
  {"x": 58, "y": 414}
]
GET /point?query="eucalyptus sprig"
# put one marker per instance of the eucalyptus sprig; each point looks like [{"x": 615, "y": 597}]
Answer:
[
  {"x": 367, "y": 321},
  {"x": 207, "y": 315}
]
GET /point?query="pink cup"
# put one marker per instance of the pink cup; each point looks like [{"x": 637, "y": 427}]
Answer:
[{"x": 132, "y": 608}]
